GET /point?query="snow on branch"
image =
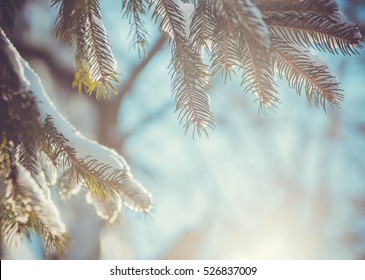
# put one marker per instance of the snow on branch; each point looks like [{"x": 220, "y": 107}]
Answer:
[
  {"x": 28, "y": 208},
  {"x": 35, "y": 145},
  {"x": 89, "y": 154}
]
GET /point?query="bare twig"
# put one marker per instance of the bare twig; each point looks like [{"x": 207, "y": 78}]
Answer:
[{"x": 108, "y": 109}]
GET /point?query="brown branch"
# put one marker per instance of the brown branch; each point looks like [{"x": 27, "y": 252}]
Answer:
[
  {"x": 149, "y": 118},
  {"x": 138, "y": 69},
  {"x": 108, "y": 109}
]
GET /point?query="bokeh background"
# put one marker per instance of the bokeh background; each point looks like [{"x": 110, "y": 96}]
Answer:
[{"x": 285, "y": 185}]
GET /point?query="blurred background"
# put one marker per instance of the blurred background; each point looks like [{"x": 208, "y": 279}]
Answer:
[{"x": 285, "y": 185}]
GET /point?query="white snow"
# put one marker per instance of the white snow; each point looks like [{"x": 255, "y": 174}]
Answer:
[
  {"x": 186, "y": 12},
  {"x": 84, "y": 147},
  {"x": 15, "y": 60},
  {"x": 342, "y": 19},
  {"x": 107, "y": 210},
  {"x": 135, "y": 196},
  {"x": 44, "y": 208},
  {"x": 260, "y": 27},
  {"x": 68, "y": 185},
  {"x": 49, "y": 170},
  {"x": 250, "y": 17}
]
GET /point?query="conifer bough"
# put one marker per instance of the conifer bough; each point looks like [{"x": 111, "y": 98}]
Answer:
[{"x": 256, "y": 38}]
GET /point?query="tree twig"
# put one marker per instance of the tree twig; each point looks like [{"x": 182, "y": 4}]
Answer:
[{"x": 108, "y": 109}]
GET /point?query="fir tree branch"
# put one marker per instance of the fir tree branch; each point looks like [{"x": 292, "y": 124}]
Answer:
[
  {"x": 7, "y": 13},
  {"x": 27, "y": 209},
  {"x": 102, "y": 62},
  {"x": 327, "y": 8},
  {"x": 189, "y": 78},
  {"x": 202, "y": 24},
  {"x": 225, "y": 52},
  {"x": 27, "y": 152},
  {"x": 258, "y": 75},
  {"x": 67, "y": 21},
  {"x": 314, "y": 30},
  {"x": 19, "y": 112},
  {"x": 190, "y": 83},
  {"x": 7, "y": 156},
  {"x": 99, "y": 178},
  {"x": 80, "y": 23},
  {"x": 304, "y": 71},
  {"x": 245, "y": 18},
  {"x": 134, "y": 9}
]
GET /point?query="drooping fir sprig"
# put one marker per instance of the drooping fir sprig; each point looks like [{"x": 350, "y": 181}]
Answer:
[
  {"x": 202, "y": 25},
  {"x": 87, "y": 171},
  {"x": 316, "y": 31},
  {"x": 135, "y": 10},
  {"x": 25, "y": 205},
  {"x": 27, "y": 208},
  {"x": 7, "y": 13},
  {"x": 79, "y": 23},
  {"x": 189, "y": 75},
  {"x": 305, "y": 72},
  {"x": 258, "y": 75},
  {"x": 102, "y": 181},
  {"x": 244, "y": 18}
]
